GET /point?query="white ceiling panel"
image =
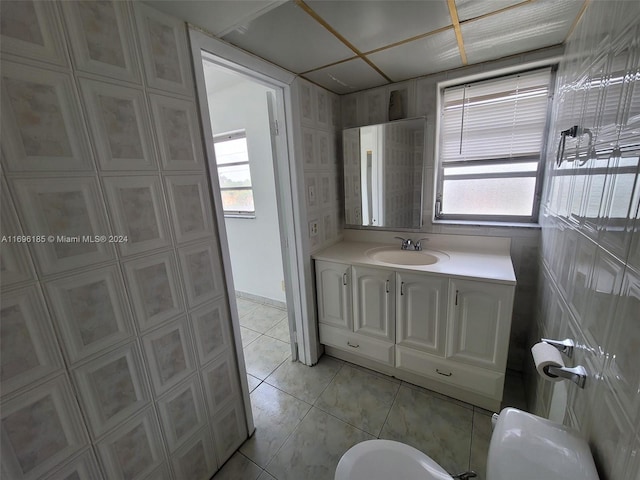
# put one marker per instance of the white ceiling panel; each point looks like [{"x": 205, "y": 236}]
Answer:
[
  {"x": 474, "y": 8},
  {"x": 431, "y": 54},
  {"x": 216, "y": 16},
  {"x": 372, "y": 24},
  {"x": 347, "y": 77},
  {"x": 289, "y": 37},
  {"x": 529, "y": 27}
]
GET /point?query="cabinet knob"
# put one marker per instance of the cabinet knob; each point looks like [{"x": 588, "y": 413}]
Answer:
[
  {"x": 443, "y": 373},
  {"x": 401, "y": 288},
  {"x": 344, "y": 278},
  {"x": 353, "y": 345}
]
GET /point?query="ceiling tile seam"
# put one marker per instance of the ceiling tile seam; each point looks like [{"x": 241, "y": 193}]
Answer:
[
  {"x": 332, "y": 64},
  {"x": 318, "y": 85},
  {"x": 313, "y": 14},
  {"x": 436, "y": 74},
  {"x": 453, "y": 11},
  {"x": 380, "y": 49},
  {"x": 495, "y": 12},
  {"x": 409, "y": 40},
  {"x": 577, "y": 20}
]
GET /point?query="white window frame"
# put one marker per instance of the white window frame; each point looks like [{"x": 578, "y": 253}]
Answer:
[
  {"x": 223, "y": 137},
  {"x": 438, "y": 216}
]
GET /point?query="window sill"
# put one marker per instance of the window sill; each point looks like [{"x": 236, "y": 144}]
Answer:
[
  {"x": 480, "y": 223},
  {"x": 238, "y": 215}
]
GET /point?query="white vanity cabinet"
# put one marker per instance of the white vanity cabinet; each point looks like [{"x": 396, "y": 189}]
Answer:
[
  {"x": 421, "y": 321},
  {"x": 479, "y": 323},
  {"x": 356, "y": 310},
  {"x": 374, "y": 302},
  {"x": 439, "y": 331},
  {"x": 334, "y": 294},
  {"x": 467, "y": 357}
]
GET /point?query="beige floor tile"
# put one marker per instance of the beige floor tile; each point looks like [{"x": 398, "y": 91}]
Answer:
[
  {"x": 280, "y": 330},
  {"x": 245, "y": 306},
  {"x": 253, "y": 382},
  {"x": 315, "y": 447},
  {"x": 359, "y": 398},
  {"x": 238, "y": 467},
  {"x": 264, "y": 355},
  {"x": 248, "y": 336},
  {"x": 276, "y": 414},
  {"x": 303, "y": 382},
  {"x": 262, "y": 318},
  {"x": 435, "y": 426}
]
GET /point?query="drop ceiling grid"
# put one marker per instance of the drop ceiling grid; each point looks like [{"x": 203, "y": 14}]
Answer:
[{"x": 391, "y": 26}]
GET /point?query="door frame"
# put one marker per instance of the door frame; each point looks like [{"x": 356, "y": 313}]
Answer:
[{"x": 287, "y": 192}]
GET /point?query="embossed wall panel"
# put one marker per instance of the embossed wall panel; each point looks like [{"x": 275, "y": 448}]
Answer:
[
  {"x": 190, "y": 205},
  {"x": 112, "y": 387},
  {"x": 102, "y": 39},
  {"x": 154, "y": 289},
  {"x": 138, "y": 211},
  {"x": 210, "y": 325},
  {"x": 113, "y": 294},
  {"x": 165, "y": 52},
  {"x": 119, "y": 122},
  {"x": 40, "y": 428},
  {"x": 169, "y": 353},
  {"x": 91, "y": 311},
  {"x": 192, "y": 460},
  {"x": 27, "y": 342},
  {"x": 65, "y": 209},
  {"x": 31, "y": 30},
  {"x": 176, "y": 124},
  {"x": 201, "y": 272},
  {"x": 182, "y": 412},
  {"x": 134, "y": 450},
  {"x": 41, "y": 121}
]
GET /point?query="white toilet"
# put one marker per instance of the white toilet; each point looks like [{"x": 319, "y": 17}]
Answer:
[{"x": 523, "y": 446}]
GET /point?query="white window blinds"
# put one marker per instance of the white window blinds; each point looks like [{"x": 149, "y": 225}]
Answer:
[{"x": 495, "y": 119}]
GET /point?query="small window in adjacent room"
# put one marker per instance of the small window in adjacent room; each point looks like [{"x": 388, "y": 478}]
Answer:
[
  {"x": 232, "y": 158},
  {"x": 491, "y": 151}
]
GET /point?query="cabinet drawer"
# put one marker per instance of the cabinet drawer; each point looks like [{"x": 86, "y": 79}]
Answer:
[
  {"x": 478, "y": 380},
  {"x": 377, "y": 350}
]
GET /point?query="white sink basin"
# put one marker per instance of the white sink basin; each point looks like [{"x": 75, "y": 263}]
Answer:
[{"x": 395, "y": 256}]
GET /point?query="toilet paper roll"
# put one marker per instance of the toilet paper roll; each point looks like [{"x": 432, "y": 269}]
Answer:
[{"x": 545, "y": 355}]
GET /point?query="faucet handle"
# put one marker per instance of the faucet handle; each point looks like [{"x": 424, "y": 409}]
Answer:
[
  {"x": 406, "y": 242},
  {"x": 418, "y": 244}
]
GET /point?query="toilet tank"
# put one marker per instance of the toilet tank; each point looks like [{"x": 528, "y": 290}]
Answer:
[{"x": 527, "y": 447}]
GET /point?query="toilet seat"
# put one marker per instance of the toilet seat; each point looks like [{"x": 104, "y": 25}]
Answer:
[{"x": 385, "y": 460}]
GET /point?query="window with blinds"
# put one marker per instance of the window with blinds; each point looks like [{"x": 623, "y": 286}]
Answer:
[{"x": 492, "y": 136}]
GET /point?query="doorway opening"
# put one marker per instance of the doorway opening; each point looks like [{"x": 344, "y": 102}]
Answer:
[{"x": 241, "y": 112}]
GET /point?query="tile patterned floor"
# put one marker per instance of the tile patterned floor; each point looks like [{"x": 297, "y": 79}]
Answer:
[{"x": 307, "y": 417}]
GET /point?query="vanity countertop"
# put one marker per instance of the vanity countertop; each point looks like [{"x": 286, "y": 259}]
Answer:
[{"x": 493, "y": 266}]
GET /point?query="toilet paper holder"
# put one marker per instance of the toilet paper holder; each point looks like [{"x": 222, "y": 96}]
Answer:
[
  {"x": 565, "y": 346},
  {"x": 577, "y": 375}
]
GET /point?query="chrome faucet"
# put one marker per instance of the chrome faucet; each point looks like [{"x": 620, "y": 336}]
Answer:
[
  {"x": 418, "y": 245},
  {"x": 406, "y": 243}
]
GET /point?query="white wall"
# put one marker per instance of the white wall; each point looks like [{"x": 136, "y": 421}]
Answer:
[{"x": 254, "y": 244}]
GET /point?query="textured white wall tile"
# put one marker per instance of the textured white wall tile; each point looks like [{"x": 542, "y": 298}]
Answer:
[
  {"x": 102, "y": 39},
  {"x": 91, "y": 311},
  {"x": 27, "y": 341},
  {"x": 31, "y": 30}
]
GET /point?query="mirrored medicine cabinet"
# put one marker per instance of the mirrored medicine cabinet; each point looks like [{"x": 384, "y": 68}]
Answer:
[{"x": 383, "y": 173}]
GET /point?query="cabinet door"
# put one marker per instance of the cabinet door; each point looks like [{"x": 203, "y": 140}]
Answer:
[
  {"x": 334, "y": 294},
  {"x": 374, "y": 302},
  {"x": 479, "y": 323},
  {"x": 422, "y": 312}
]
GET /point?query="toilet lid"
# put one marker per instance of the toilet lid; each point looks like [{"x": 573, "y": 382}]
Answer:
[{"x": 385, "y": 460}]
